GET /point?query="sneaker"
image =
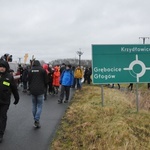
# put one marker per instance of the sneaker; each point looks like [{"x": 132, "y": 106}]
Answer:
[
  {"x": 37, "y": 124},
  {"x": 59, "y": 101},
  {"x": 66, "y": 101}
]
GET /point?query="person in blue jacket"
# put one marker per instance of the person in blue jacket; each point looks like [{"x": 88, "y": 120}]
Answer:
[{"x": 66, "y": 81}]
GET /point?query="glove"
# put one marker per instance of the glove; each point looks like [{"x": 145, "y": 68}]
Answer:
[{"x": 15, "y": 102}]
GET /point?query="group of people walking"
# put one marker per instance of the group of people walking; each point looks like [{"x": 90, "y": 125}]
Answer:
[
  {"x": 39, "y": 80},
  {"x": 54, "y": 73}
]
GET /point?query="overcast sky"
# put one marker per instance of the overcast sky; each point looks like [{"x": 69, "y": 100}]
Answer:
[{"x": 54, "y": 29}]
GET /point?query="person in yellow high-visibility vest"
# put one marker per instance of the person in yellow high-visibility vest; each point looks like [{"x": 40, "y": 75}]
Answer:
[{"x": 7, "y": 86}]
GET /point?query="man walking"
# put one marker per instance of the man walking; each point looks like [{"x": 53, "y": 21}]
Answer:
[
  {"x": 7, "y": 86},
  {"x": 37, "y": 84},
  {"x": 66, "y": 81}
]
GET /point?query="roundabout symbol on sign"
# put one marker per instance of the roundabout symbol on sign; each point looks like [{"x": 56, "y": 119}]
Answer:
[{"x": 132, "y": 72}]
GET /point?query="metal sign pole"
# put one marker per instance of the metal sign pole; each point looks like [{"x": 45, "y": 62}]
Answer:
[
  {"x": 102, "y": 95},
  {"x": 137, "y": 98}
]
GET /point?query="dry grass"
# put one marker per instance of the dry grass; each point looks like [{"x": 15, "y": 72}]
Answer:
[{"x": 116, "y": 126}]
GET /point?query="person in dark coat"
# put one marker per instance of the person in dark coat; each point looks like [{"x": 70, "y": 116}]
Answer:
[
  {"x": 7, "y": 86},
  {"x": 85, "y": 74},
  {"x": 20, "y": 71},
  {"x": 89, "y": 73},
  {"x": 62, "y": 68},
  {"x": 50, "y": 80},
  {"x": 66, "y": 81},
  {"x": 25, "y": 79},
  {"x": 37, "y": 79}
]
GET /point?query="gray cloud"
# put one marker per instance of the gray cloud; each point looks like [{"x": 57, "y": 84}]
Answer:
[{"x": 54, "y": 29}]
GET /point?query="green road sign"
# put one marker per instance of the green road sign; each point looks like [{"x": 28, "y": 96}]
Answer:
[{"x": 121, "y": 63}]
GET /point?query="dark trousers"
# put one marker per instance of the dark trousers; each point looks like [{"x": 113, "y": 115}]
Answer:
[
  {"x": 77, "y": 81},
  {"x": 64, "y": 89},
  {"x": 25, "y": 85},
  {"x": 148, "y": 85},
  {"x": 118, "y": 86},
  {"x": 45, "y": 92},
  {"x": 89, "y": 79},
  {"x": 3, "y": 117},
  {"x": 50, "y": 87},
  {"x": 130, "y": 86}
]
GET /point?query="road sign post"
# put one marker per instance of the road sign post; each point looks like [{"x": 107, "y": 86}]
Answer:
[{"x": 121, "y": 63}]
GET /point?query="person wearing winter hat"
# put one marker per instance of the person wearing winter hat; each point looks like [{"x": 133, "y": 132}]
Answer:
[
  {"x": 62, "y": 68},
  {"x": 7, "y": 86},
  {"x": 66, "y": 81},
  {"x": 45, "y": 67}
]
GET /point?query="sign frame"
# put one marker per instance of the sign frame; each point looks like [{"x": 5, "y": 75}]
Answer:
[{"x": 120, "y": 63}]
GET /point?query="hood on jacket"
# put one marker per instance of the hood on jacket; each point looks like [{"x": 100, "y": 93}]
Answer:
[
  {"x": 56, "y": 68},
  {"x": 36, "y": 63},
  {"x": 4, "y": 64},
  {"x": 45, "y": 67},
  {"x": 69, "y": 66}
]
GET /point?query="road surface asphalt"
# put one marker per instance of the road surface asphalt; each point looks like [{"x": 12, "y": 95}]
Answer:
[{"x": 20, "y": 133}]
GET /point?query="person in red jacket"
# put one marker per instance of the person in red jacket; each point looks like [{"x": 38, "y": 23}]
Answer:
[{"x": 56, "y": 79}]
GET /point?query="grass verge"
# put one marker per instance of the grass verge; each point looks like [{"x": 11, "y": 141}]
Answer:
[{"x": 116, "y": 126}]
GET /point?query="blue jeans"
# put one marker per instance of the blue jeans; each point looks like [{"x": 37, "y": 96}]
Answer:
[
  {"x": 37, "y": 103},
  {"x": 78, "y": 82}
]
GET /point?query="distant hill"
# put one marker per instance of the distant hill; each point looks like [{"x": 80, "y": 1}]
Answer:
[{"x": 73, "y": 62}]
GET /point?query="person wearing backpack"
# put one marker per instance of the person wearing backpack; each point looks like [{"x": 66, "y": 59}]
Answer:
[{"x": 66, "y": 81}]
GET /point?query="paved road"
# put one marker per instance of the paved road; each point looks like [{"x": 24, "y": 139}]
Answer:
[{"x": 20, "y": 133}]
